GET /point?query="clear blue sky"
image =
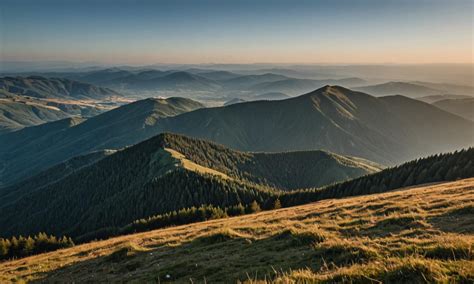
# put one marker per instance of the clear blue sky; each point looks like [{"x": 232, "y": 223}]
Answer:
[{"x": 145, "y": 32}]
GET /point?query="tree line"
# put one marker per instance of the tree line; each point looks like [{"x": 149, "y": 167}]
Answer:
[
  {"x": 17, "y": 247},
  {"x": 183, "y": 197},
  {"x": 435, "y": 168},
  {"x": 181, "y": 217}
]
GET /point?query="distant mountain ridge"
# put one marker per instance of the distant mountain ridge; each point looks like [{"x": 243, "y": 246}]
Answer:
[
  {"x": 41, "y": 87},
  {"x": 416, "y": 89},
  {"x": 462, "y": 107},
  {"x": 387, "y": 130},
  {"x": 187, "y": 81}
]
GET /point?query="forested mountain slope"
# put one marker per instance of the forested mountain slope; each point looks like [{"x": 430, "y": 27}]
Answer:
[
  {"x": 159, "y": 175},
  {"x": 387, "y": 130},
  {"x": 117, "y": 128}
]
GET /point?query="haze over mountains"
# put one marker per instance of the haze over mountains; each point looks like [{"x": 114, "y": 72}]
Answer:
[
  {"x": 29, "y": 101},
  {"x": 417, "y": 89},
  {"x": 89, "y": 154},
  {"x": 196, "y": 82},
  {"x": 387, "y": 130},
  {"x": 59, "y": 88},
  {"x": 462, "y": 107},
  {"x": 141, "y": 133}
]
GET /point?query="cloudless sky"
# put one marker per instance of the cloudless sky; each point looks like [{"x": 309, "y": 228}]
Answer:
[{"x": 220, "y": 31}]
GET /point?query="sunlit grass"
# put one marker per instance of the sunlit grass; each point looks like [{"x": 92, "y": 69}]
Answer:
[{"x": 422, "y": 234}]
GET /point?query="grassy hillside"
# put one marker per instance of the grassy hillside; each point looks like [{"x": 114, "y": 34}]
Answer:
[
  {"x": 117, "y": 128},
  {"x": 17, "y": 112},
  {"x": 462, "y": 107},
  {"x": 421, "y": 234},
  {"x": 15, "y": 115},
  {"x": 163, "y": 174},
  {"x": 385, "y": 130}
]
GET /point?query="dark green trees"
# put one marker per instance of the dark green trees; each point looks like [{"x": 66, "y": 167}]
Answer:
[{"x": 24, "y": 246}]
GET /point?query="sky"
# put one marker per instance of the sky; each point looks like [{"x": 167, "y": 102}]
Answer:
[{"x": 221, "y": 31}]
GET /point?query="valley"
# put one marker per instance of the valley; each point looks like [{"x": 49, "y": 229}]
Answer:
[
  {"x": 256, "y": 142},
  {"x": 288, "y": 179}
]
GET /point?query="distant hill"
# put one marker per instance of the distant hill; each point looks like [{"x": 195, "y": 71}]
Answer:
[
  {"x": 100, "y": 76},
  {"x": 271, "y": 96},
  {"x": 160, "y": 175},
  {"x": 218, "y": 75},
  {"x": 41, "y": 87},
  {"x": 15, "y": 115},
  {"x": 448, "y": 88},
  {"x": 298, "y": 86},
  {"x": 160, "y": 81},
  {"x": 399, "y": 88},
  {"x": 262, "y": 97},
  {"x": 436, "y": 98},
  {"x": 424, "y": 91},
  {"x": 117, "y": 128},
  {"x": 17, "y": 112},
  {"x": 462, "y": 107},
  {"x": 386, "y": 130},
  {"x": 234, "y": 101},
  {"x": 247, "y": 81}
]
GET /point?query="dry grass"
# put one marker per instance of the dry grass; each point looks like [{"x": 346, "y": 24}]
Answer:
[
  {"x": 422, "y": 234},
  {"x": 192, "y": 166}
]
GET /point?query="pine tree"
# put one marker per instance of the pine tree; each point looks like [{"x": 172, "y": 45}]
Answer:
[
  {"x": 277, "y": 204},
  {"x": 254, "y": 207}
]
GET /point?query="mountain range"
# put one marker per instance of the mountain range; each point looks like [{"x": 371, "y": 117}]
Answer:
[
  {"x": 462, "y": 107},
  {"x": 416, "y": 89},
  {"x": 42, "y": 87},
  {"x": 387, "y": 130},
  {"x": 165, "y": 173},
  {"x": 52, "y": 143},
  {"x": 189, "y": 82}
]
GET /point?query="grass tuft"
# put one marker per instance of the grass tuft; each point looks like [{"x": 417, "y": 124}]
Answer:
[
  {"x": 303, "y": 236},
  {"x": 126, "y": 251}
]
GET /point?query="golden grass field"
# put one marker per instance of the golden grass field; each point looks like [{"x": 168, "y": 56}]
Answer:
[{"x": 418, "y": 234}]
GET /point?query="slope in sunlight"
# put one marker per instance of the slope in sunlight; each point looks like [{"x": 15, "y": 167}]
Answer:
[{"x": 421, "y": 234}]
